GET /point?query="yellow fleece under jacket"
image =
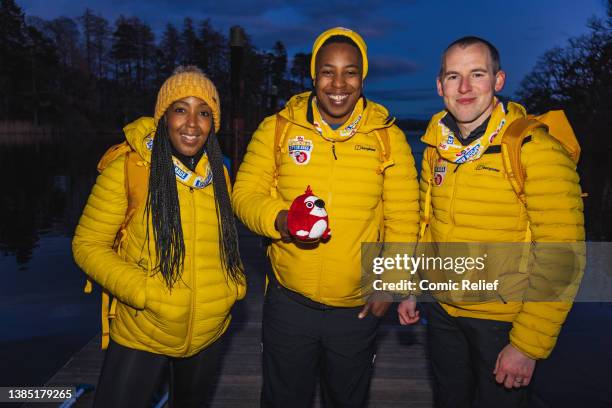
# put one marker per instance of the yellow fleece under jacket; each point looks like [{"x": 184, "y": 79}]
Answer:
[
  {"x": 350, "y": 185},
  {"x": 475, "y": 202},
  {"x": 149, "y": 317}
]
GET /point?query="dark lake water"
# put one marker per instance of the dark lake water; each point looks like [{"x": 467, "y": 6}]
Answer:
[{"x": 44, "y": 315}]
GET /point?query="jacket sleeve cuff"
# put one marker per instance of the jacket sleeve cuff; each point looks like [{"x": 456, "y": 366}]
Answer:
[
  {"x": 269, "y": 220},
  {"x": 530, "y": 350}
]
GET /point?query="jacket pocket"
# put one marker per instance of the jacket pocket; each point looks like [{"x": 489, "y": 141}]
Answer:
[{"x": 168, "y": 310}]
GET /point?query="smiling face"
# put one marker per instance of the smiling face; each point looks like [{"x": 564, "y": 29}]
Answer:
[
  {"x": 468, "y": 85},
  {"x": 189, "y": 122},
  {"x": 338, "y": 82}
]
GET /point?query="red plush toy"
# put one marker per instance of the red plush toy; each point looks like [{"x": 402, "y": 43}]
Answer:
[{"x": 307, "y": 218}]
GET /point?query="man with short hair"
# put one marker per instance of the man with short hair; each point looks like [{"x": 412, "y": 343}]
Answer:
[
  {"x": 316, "y": 320},
  {"x": 487, "y": 351}
]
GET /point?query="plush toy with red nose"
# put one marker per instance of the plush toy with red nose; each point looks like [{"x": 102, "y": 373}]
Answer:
[{"x": 307, "y": 218}]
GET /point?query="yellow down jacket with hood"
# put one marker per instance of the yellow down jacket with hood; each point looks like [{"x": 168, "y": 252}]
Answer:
[
  {"x": 149, "y": 317},
  {"x": 345, "y": 174},
  {"x": 475, "y": 202}
]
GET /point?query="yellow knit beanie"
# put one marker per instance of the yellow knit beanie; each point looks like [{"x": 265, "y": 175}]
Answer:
[
  {"x": 345, "y": 32},
  {"x": 188, "y": 81}
]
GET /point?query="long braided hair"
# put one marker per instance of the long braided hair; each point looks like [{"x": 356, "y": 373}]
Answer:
[
  {"x": 228, "y": 235},
  {"x": 164, "y": 211}
]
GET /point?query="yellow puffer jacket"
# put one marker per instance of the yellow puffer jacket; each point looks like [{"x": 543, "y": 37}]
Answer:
[
  {"x": 149, "y": 317},
  {"x": 349, "y": 184},
  {"x": 474, "y": 202}
]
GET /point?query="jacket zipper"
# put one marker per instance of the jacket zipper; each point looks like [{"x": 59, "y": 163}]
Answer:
[
  {"x": 328, "y": 205},
  {"x": 452, "y": 203},
  {"x": 193, "y": 274}
]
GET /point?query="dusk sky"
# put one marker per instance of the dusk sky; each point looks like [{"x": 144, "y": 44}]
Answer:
[{"x": 405, "y": 38}]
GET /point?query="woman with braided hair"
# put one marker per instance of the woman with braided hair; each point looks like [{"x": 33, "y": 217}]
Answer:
[{"x": 174, "y": 268}]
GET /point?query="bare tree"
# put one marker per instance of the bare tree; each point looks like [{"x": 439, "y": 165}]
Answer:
[
  {"x": 578, "y": 79},
  {"x": 300, "y": 67}
]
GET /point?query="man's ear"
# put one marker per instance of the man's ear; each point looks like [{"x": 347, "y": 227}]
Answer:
[
  {"x": 439, "y": 86},
  {"x": 500, "y": 80}
]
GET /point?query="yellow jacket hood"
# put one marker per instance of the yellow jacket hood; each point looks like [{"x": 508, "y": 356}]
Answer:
[{"x": 139, "y": 134}]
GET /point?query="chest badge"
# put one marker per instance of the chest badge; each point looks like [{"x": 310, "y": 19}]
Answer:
[
  {"x": 300, "y": 150},
  {"x": 439, "y": 172}
]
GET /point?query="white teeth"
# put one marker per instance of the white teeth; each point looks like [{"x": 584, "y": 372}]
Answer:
[
  {"x": 338, "y": 98},
  {"x": 189, "y": 137}
]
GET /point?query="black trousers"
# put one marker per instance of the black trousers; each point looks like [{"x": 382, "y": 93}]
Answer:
[
  {"x": 301, "y": 343},
  {"x": 463, "y": 352},
  {"x": 130, "y": 377}
]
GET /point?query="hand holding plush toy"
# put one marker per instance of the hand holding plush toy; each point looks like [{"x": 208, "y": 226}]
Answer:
[{"x": 307, "y": 218}]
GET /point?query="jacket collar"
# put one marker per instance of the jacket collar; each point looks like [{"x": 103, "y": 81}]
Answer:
[
  {"x": 504, "y": 111},
  {"x": 451, "y": 123},
  {"x": 298, "y": 111}
]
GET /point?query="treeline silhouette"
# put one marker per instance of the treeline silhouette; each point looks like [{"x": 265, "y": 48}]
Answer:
[
  {"x": 578, "y": 79},
  {"x": 93, "y": 74}
]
